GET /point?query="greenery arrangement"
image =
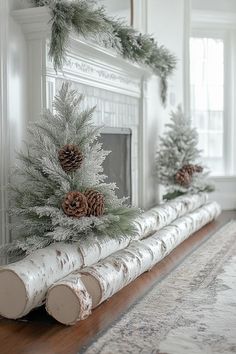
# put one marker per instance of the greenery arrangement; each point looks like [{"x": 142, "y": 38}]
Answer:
[
  {"x": 178, "y": 159},
  {"x": 86, "y": 19},
  {"x": 62, "y": 195}
]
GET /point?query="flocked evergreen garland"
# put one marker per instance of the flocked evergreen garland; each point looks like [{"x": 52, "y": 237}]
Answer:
[
  {"x": 83, "y": 17},
  {"x": 59, "y": 193}
]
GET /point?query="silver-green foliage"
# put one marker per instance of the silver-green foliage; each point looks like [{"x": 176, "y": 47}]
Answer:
[
  {"x": 178, "y": 147},
  {"x": 40, "y": 184},
  {"x": 90, "y": 21}
]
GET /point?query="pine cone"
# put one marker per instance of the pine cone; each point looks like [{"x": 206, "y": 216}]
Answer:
[
  {"x": 183, "y": 178},
  {"x": 191, "y": 169},
  {"x": 70, "y": 157},
  {"x": 185, "y": 173},
  {"x": 95, "y": 202},
  {"x": 198, "y": 168},
  {"x": 75, "y": 204}
]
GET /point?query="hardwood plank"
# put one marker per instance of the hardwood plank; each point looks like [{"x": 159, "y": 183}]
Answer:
[{"x": 37, "y": 333}]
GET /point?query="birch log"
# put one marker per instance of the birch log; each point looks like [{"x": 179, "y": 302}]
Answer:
[
  {"x": 162, "y": 215},
  {"x": 23, "y": 285},
  {"x": 105, "y": 278}
]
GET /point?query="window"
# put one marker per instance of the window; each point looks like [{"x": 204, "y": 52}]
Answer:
[{"x": 207, "y": 98}]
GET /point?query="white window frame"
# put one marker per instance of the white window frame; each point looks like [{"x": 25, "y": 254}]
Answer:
[{"x": 223, "y": 26}]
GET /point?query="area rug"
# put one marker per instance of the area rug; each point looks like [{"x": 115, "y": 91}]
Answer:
[{"x": 191, "y": 311}]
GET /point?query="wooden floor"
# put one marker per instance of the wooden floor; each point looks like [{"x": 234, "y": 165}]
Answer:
[{"x": 39, "y": 334}]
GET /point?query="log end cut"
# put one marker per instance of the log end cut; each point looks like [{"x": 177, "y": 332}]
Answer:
[
  {"x": 13, "y": 295},
  {"x": 63, "y": 304}
]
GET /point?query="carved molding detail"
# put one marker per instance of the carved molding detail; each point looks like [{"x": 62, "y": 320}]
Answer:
[{"x": 99, "y": 72}]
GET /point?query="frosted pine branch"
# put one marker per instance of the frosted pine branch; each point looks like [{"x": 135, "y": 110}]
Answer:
[
  {"x": 178, "y": 148},
  {"x": 44, "y": 183}
]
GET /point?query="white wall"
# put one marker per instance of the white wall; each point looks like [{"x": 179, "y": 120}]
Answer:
[
  {"x": 225, "y": 192},
  {"x": 118, "y": 8},
  {"x": 168, "y": 21},
  {"x": 165, "y": 19}
]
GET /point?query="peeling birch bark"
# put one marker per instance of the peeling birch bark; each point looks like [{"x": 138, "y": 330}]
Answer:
[
  {"x": 23, "y": 285},
  {"x": 108, "y": 276}
]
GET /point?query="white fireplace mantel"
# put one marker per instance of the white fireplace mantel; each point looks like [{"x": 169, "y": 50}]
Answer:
[
  {"x": 86, "y": 61},
  {"x": 116, "y": 86}
]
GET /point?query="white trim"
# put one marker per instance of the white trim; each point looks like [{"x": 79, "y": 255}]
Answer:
[
  {"x": 224, "y": 178},
  {"x": 186, "y": 57},
  {"x": 34, "y": 21},
  {"x": 143, "y": 151},
  {"x": 225, "y": 192},
  {"x": 228, "y": 37},
  {"x": 201, "y": 18},
  {"x": 4, "y": 143},
  {"x": 228, "y": 102},
  {"x": 209, "y": 32},
  {"x": 140, "y": 15}
]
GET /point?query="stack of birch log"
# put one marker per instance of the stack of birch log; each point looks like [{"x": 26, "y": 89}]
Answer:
[{"x": 72, "y": 279}]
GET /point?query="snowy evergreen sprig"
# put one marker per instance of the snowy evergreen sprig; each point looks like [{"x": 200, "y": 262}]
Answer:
[
  {"x": 40, "y": 183},
  {"x": 178, "y": 148},
  {"x": 90, "y": 21}
]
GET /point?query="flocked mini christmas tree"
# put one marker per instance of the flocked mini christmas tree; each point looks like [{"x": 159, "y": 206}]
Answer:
[
  {"x": 59, "y": 191},
  {"x": 178, "y": 159}
]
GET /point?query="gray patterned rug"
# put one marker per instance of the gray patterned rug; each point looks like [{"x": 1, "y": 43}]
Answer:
[{"x": 191, "y": 311}]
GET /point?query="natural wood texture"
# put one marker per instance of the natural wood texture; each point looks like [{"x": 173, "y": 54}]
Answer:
[{"x": 38, "y": 333}]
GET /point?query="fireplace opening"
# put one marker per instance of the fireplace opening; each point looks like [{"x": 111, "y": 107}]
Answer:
[{"x": 117, "y": 165}]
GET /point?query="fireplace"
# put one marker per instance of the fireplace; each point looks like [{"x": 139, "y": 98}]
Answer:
[
  {"x": 117, "y": 165},
  {"x": 118, "y": 89}
]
